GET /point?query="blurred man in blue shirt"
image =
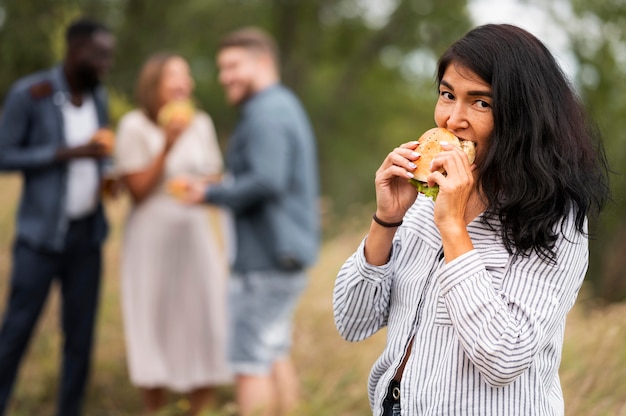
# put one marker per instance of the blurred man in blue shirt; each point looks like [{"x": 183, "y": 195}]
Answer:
[{"x": 273, "y": 194}]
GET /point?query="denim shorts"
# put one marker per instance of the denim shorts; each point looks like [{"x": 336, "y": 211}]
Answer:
[{"x": 262, "y": 306}]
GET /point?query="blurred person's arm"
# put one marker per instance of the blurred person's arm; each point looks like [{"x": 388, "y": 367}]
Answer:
[
  {"x": 16, "y": 152},
  {"x": 267, "y": 177},
  {"x": 142, "y": 183},
  {"x": 14, "y": 126},
  {"x": 90, "y": 150}
]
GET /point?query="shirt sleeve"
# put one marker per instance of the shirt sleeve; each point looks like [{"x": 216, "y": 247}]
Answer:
[
  {"x": 132, "y": 152},
  {"x": 267, "y": 155},
  {"x": 503, "y": 330},
  {"x": 361, "y": 297},
  {"x": 14, "y": 124}
]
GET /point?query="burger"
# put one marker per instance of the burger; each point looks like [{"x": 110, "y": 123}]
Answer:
[
  {"x": 429, "y": 146},
  {"x": 106, "y": 138},
  {"x": 179, "y": 110},
  {"x": 177, "y": 187}
]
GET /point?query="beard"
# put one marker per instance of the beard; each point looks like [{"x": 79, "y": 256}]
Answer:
[
  {"x": 88, "y": 77},
  {"x": 241, "y": 95}
]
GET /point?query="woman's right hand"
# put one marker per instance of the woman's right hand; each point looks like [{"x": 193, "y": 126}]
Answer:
[{"x": 394, "y": 193}]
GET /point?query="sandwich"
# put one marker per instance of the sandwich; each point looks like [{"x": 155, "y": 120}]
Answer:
[
  {"x": 105, "y": 137},
  {"x": 429, "y": 146},
  {"x": 177, "y": 187},
  {"x": 181, "y": 111}
]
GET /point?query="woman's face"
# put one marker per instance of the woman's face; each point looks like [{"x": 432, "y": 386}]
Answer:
[
  {"x": 176, "y": 82},
  {"x": 464, "y": 107}
]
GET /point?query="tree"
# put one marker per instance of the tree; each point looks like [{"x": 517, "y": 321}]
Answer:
[
  {"x": 598, "y": 37},
  {"x": 331, "y": 56},
  {"x": 366, "y": 79}
]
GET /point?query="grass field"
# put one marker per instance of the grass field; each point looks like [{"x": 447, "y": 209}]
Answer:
[{"x": 333, "y": 372}]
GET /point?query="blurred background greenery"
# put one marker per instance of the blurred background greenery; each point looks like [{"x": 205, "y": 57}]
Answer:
[{"x": 365, "y": 72}]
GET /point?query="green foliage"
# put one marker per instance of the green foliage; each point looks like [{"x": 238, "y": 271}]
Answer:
[
  {"x": 360, "y": 106},
  {"x": 598, "y": 36},
  {"x": 119, "y": 105}
]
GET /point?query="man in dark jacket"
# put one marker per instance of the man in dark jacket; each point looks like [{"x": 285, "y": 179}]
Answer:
[{"x": 46, "y": 132}]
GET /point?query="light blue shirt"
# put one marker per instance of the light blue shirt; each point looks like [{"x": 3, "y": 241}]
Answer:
[{"x": 274, "y": 195}]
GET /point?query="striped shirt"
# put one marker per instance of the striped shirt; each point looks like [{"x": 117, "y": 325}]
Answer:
[{"x": 487, "y": 327}]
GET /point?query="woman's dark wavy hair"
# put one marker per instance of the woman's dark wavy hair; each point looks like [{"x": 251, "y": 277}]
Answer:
[{"x": 545, "y": 156}]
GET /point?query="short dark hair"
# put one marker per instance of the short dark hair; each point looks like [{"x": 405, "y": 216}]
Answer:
[
  {"x": 83, "y": 28},
  {"x": 545, "y": 156},
  {"x": 254, "y": 39}
]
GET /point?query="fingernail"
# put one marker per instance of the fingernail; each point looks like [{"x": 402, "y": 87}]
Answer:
[
  {"x": 443, "y": 143},
  {"x": 414, "y": 142},
  {"x": 412, "y": 165},
  {"x": 431, "y": 165},
  {"x": 416, "y": 154},
  {"x": 409, "y": 174}
]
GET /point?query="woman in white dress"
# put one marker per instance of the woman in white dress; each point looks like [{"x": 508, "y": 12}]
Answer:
[{"x": 173, "y": 266}]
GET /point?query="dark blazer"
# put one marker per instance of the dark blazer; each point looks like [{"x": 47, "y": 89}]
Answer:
[{"x": 31, "y": 133}]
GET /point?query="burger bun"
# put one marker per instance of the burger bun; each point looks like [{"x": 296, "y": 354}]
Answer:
[{"x": 430, "y": 146}]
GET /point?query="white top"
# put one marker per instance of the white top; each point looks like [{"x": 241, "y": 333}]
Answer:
[
  {"x": 82, "y": 177},
  {"x": 139, "y": 141},
  {"x": 487, "y": 326},
  {"x": 173, "y": 271}
]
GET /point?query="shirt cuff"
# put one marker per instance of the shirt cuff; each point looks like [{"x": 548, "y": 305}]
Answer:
[
  {"x": 459, "y": 270},
  {"x": 368, "y": 271}
]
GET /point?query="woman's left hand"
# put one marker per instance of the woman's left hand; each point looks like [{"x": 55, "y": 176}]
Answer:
[{"x": 455, "y": 188}]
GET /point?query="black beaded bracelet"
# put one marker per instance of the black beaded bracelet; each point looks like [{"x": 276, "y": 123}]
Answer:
[{"x": 386, "y": 224}]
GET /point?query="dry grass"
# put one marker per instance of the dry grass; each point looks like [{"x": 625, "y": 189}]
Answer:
[
  {"x": 593, "y": 369},
  {"x": 333, "y": 372}
]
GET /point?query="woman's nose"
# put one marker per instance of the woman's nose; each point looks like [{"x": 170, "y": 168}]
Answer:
[{"x": 457, "y": 119}]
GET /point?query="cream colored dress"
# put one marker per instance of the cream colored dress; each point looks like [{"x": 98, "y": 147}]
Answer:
[{"x": 173, "y": 274}]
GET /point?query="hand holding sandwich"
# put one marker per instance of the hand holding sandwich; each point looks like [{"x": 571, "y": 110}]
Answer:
[
  {"x": 394, "y": 194},
  {"x": 456, "y": 186},
  {"x": 437, "y": 161},
  {"x": 438, "y": 165}
]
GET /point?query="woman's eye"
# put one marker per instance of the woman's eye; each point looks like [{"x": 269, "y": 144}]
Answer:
[
  {"x": 483, "y": 104},
  {"x": 447, "y": 95}
]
